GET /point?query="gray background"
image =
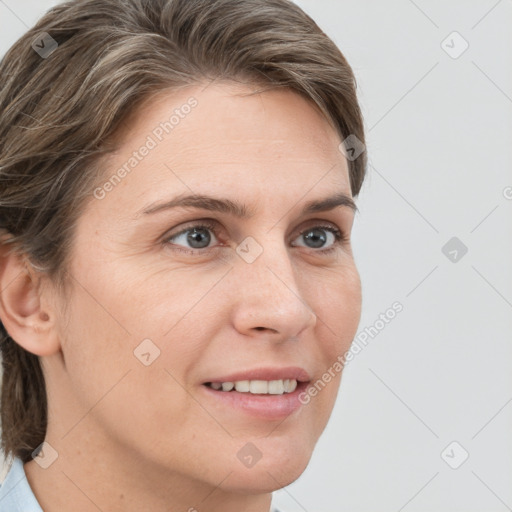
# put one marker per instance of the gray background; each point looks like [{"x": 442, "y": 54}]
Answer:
[{"x": 439, "y": 140}]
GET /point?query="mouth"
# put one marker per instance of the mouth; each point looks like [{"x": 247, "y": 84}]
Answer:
[
  {"x": 256, "y": 387},
  {"x": 261, "y": 394}
]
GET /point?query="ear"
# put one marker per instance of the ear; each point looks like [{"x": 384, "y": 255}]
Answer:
[{"x": 25, "y": 309}]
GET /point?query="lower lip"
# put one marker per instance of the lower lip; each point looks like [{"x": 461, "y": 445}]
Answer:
[{"x": 270, "y": 407}]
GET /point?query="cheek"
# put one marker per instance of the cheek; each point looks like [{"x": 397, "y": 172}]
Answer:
[
  {"x": 109, "y": 383},
  {"x": 113, "y": 312},
  {"x": 337, "y": 303},
  {"x": 155, "y": 301},
  {"x": 338, "y": 307},
  {"x": 95, "y": 347}
]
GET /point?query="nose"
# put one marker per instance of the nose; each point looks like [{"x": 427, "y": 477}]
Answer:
[{"x": 270, "y": 301}]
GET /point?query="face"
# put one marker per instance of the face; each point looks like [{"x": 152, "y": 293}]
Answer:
[{"x": 168, "y": 299}]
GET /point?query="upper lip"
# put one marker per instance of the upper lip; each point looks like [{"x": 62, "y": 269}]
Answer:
[{"x": 288, "y": 372}]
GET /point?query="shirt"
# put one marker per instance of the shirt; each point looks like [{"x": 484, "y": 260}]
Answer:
[
  {"x": 15, "y": 492},
  {"x": 17, "y": 496}
]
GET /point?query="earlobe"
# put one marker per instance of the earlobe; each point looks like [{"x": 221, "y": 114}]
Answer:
[{"x": 23, "y": 306}]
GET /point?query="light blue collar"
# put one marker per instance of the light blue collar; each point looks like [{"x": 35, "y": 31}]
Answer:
[{"x": 15, "y": 492}]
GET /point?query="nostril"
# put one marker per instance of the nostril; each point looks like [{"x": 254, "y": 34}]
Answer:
[{"x": 265, "y": 329}]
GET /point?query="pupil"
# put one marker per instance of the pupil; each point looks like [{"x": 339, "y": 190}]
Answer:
[
  {"x": 196, "y": 236},
  {"x": 316, "y": 237}
]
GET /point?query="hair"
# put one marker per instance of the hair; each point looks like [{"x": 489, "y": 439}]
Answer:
[{"x": 59, "y": 114}]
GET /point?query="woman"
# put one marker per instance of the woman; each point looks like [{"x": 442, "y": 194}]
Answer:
[{"x": 177, "y": 184}]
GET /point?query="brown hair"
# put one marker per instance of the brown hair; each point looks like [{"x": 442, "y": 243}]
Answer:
[{"x": 59, "y": 112}]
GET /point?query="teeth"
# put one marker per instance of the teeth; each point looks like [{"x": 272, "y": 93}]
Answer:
[
  {"x": 258, "y": 387},
  {"x": 290, "y": 387},
  {"x": 276, "y": 387},
  {"x": 227, "y": 386},
  {"x": 242, "y": 385}
]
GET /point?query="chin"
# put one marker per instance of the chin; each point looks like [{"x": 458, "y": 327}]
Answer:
[{"x": 268, "y": 474}]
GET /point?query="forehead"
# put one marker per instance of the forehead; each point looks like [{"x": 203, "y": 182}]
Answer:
[
  {"x": 282, "y": 111},
  {"x": 225, "y": 137}
]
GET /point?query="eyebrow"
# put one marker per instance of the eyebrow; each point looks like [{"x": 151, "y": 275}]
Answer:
[{"x": 237, "y": 209}]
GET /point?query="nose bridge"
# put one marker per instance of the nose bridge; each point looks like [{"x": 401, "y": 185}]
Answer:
[{"x": 271, "y": 296}]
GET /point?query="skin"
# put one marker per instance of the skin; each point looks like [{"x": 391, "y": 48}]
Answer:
[{"x": 133, "y": 437}]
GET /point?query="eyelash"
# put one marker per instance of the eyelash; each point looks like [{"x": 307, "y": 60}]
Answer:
[{"x": 340, "y": 238}]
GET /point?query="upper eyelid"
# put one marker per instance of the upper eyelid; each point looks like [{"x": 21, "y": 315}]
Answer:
[
  {"x": 215, "y": 224},
  {"x": 200, "y": 221}
]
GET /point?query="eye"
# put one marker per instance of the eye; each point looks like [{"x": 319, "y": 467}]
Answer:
[
  {"x": 197, "y": 237},
  {"x": 318, "y": 236}
]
